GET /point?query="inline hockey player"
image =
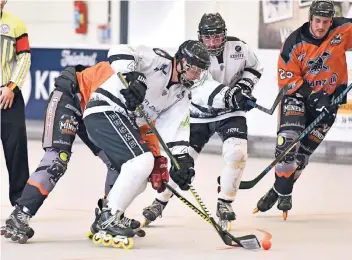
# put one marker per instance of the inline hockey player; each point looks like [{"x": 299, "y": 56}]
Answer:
[
  {"x": 63, "y": 121},
  {"x": 113, "y": 125},
  {"x": 217, "y": 108},
  {"x": 313, "y": 63}
]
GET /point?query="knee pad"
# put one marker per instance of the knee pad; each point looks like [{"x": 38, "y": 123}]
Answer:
[
  {"x": 287, "y": 166},
  {"x": 235, "y": 156},
  {"x": 50, "y": 170},
  {"x": 234, "y": 151},
  {"x": 284, "y": 140}
]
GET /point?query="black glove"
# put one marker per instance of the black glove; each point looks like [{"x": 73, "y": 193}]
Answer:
[
  {"x": 183, "y": 176},
  {"x": 240, "y": 98},
  {"x": 135, "y": 93},
  {"x": 318, "y": 102}
]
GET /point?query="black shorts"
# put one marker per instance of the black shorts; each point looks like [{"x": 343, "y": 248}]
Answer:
[{"x": 226, "y": 128}]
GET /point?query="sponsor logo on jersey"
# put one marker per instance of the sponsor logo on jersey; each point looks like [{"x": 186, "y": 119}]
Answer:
[
  {"x": 336, "y": 40},
  {"x": 4, "y": 28},
  {"x": 237, "y": 56},
  {"x": 68, "y": 125},
  {"x": 316, "y": 65}
]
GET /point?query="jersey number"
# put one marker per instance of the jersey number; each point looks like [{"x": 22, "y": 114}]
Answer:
[{"x": 285, "y": 74}]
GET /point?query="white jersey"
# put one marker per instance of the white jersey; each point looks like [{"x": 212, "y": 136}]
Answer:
[
  {"x": 237, "y": 62},
  {"x": 164, "y": 102}
]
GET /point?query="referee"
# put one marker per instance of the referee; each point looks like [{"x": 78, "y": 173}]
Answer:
[{"x": 15, "y": 64}]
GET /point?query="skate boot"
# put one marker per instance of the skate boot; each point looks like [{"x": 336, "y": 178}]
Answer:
[
  {"x": 285, "y": 204},
  {"x": 153, "y": 211},
  {"x": 111, "y": 231},
  {"x": 134, "y": 224},
  {"x": 225, "y": 214},
  {"x": 17, "y": 226},
  {"x": 267, "y": 201}
]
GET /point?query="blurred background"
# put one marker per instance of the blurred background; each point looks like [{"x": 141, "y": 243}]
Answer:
[{"x": 67, "y": 32}]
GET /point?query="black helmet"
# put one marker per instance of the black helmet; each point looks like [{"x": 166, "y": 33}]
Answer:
[
  {"x": 197, "y": 57},
  {"x": 212, "y": 27},
  {"x": 323, "y": 8}
]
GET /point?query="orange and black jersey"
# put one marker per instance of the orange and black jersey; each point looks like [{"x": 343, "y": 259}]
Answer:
[
  {"x": 315, "y": 64},
  {"x": 91, "y": 78}
]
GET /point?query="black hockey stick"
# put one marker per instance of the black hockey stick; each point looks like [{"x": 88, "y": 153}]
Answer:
[
  {"x": 250, "y": 184},
  {"x": 273, "y": 107},
  {"x": 247, "y": 242}
]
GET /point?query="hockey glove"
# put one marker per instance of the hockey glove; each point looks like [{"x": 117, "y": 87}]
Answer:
[
  {"x": 159, "y": 174},
  {"x": 236, "y": 98},
  {"x": 183, "y": 176},
  {"x": 135, "y": 93},
  {"x": 318, "y": 102}
]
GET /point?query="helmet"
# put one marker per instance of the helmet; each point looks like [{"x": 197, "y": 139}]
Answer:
[
  {"x": 212, "y": 32},
  {"x": 323, "y": 8},
  {"x": 194, "y": 57}
]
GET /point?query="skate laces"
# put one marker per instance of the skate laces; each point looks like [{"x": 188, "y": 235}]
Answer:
[
  {"x": 225, "y": 207},
  {"x": 156, "y": 208},
  {"x": 126, "y": 221},
  {"x": 23, "y": 217}
]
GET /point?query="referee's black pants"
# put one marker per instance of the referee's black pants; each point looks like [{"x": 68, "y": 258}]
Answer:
[{"x": 14, "y": 141}]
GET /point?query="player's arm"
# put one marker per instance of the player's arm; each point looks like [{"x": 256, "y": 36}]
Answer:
[
  {"x": 23, "y": 58},
  {"x": 123, "y": 59},
  {"x": 210, "y": 94},
  {"x": 252, "y": 71},
  {"x": 289, "y": 71}
]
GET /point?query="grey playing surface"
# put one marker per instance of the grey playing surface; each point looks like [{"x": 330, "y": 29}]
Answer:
[{"x": 319, "y": 226}]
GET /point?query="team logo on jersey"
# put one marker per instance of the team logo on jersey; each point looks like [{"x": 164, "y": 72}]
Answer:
[
  {"x": 4, "y": 28},
  {"x": 238, "y": 48},
  {"x": 316, "y": 65},
  {"x": 336, "y": 40},
  {"x": 161, "y": 68}
]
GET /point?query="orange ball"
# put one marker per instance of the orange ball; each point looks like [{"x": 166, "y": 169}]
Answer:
[{"x": 266, "y": 244}]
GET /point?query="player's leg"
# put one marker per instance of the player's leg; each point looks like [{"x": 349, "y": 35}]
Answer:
[
  {"x": 199, "y": 136},
  {"x": 60, "y": 128},
  {"x": 311, "y": 142},
  {"x": 292, "y": 121},
  {"x": 233, "y": 132},
  {"x": 119, "y": 139}
]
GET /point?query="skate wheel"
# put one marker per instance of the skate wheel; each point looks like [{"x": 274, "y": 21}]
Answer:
[
  {"x": 116, "y": 244},
  {"x": 145, "y": 223},
  {"x": 96, "y": 239},
  {"x": 141, "y": 233},
  {"x": 255, "y": 210},
  {"x": 3, "y": 231},
  {"x": 8, "y": 234},
  {"x": 108, "y": 240},
  {"x": 23, "y": 240},
  {"x": 129, "y": 244},
  {"x": 284, "y": 215},
  {"x": 14, "y": 238},
  {"x": 89, "y": 235}
]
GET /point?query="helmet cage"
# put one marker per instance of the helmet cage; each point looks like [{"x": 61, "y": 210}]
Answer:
[{"x": 214, "y": 40}]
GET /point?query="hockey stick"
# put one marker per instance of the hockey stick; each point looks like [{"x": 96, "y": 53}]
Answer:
[
  {"x": 250, "y": 184},
  {"x": 273, "y": 107},
  {"x": 247, "y": 242}
]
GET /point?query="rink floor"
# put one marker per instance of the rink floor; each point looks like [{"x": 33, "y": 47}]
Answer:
[{"x": 319, "y": 226}]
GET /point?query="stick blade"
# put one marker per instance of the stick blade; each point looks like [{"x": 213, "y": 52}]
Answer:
[{"x": 249, "y": 242}]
